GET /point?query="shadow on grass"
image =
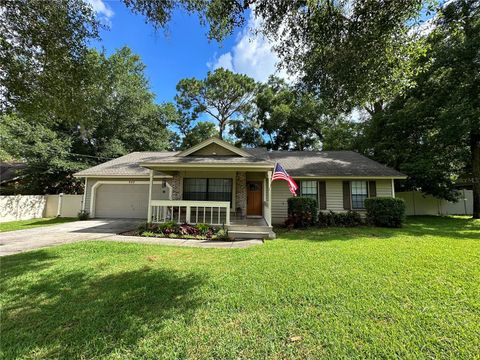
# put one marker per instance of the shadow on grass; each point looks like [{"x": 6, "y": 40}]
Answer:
[
  {"x": 458, "y": 228},
  {"x": 76, "y": 315},
  {"x": 11, "y": 266}
]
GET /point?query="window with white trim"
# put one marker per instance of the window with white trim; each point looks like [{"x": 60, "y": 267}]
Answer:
[
  {"x": 309, "y": 188},
  {"x": 359, "y": 194}
]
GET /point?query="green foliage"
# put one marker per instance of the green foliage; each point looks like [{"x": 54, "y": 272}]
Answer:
[
  {"x": 83, "y": 215},
  {"x": 182, "y": 231},
  {"x": 149, "y": 234},
  {"x": 43, "y": 48},
  {"x": 203, "y": 228},
  {"x": 203, "y": 130},
  {"x": 385, "y": 211},
  {"x": 115, "y": 115},
  {"x": 168, "y": 225},
  {"x": 302, "y": 212},
  {"x": 346, "y": 219},
  {"x": 223, "y": 95},
  {"x": 432, "y": 132}
]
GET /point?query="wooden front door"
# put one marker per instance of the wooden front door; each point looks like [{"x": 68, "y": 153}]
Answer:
[{"x": 254, "y": 198}]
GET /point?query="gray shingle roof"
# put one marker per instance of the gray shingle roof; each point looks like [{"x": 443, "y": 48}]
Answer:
[
  {"x": 211, "y": 160},
  {"x": 330, "y": 163},
  {"x": 125, "y": 165},
  {"x": 297, "y": 163}
]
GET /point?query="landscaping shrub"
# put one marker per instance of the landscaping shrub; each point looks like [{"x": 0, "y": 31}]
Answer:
[
  {"x": 83, "y": 215},
  {"x": 302, "y": 212},
  {"x": 347, "y": 219},
  {"x": 203, "y": 228},
  {"x": 183, "y": 231},
  {"x": 168, "y": 227},
  {"x": 385, "y": 211}
]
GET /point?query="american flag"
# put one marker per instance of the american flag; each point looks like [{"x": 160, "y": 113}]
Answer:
[{"x": 281, "y": 174}]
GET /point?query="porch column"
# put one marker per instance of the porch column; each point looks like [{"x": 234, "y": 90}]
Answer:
[
  {"x": 269, "y": 198},
  {"x": 149, "y": 216}
]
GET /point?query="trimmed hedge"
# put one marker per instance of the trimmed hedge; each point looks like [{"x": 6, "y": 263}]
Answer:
[
  {"x": 302, "y": 212},
  {"x": 385, "y": 211},
  {"x": 346, "y": 219}
]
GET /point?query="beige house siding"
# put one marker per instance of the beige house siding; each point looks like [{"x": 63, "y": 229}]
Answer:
[
  {"x": 280, "y": 194},
  {"x": 334, "y": 191},
  {"x": 384, "y": 188},
  {"x": 213, "y": 149}
]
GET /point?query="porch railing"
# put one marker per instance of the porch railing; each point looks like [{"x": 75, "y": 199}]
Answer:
[{"x": 190, "y": 212}]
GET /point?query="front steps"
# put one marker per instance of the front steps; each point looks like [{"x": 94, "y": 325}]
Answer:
[{"x": 250, "y": 232}]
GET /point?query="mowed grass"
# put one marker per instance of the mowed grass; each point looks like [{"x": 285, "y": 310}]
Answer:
[
  {"x": 32, "y": 223},
  {"x": 321, "y": 293}
]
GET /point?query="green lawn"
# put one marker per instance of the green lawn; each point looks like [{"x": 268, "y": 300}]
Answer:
[
  {"x": 334, "y": 293},
  {"x": 32, "y": 223}
]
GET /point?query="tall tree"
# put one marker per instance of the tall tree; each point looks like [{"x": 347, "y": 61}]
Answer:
[
  {"x": 114, "y": 114},
  {"x": 223, "y": 95},
  {"x": 433, "y": 132},
  {"x": 284, "y": 118},
  {"x": 203, "y": 130},
  {"x": 42, "y": 50},
  {"x": 352, "y": 53}
]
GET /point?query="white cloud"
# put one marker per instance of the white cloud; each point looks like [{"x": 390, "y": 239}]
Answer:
[
  {"x": 252, "y": 55},
  {"x": 101, "y": 8},
  {"x": 224, "y": 61}
]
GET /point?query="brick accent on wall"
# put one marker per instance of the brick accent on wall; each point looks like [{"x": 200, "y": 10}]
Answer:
[
  {"x": 177, "y": 186},
  {"x": 241, "y": 192}
]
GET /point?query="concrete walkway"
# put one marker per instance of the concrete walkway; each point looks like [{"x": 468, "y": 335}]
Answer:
[{"x": 14, "y": 242}]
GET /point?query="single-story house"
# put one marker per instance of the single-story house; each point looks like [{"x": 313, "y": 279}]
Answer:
[{"x": 217, "y": 183}]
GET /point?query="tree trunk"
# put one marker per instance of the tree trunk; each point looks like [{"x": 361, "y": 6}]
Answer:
[
  {"x": 475, "y": 148},
  {"x": 221, "y": 128},
  {"x": 220, "y": 131}
]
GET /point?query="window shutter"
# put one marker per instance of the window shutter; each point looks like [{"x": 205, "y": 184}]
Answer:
[
  {"x": 322, "y": 193},
  {"x": 372, "y": 188},
  {"x": 346, "y": 196}
]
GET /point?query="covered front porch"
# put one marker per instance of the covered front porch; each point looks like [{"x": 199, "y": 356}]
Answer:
[{"x": 245, "y": 208}]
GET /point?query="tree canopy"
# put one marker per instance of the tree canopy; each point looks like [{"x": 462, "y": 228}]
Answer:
[{"x": 222, "y": 95}]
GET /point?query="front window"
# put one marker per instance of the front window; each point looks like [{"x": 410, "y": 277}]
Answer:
[
  {"x": 359, "y": 194},
  {"x": 207, "y": 189},
  {"x": 309, "y": 189}
]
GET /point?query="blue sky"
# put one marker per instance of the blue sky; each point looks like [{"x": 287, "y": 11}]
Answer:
[{"x": 184, "y": 51}]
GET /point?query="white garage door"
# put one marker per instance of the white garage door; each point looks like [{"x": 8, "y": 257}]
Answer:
[{"x": 126, "y": 200}]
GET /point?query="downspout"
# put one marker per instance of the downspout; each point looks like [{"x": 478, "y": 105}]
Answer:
[
  {"x": 84, "y": 194},
  {"x": 149, "y": 216}
]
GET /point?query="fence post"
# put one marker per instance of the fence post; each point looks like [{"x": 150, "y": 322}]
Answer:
[{"x": 59, "y": 206}]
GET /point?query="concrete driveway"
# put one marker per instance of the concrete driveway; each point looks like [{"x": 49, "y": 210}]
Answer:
[{"x": 13, "y": 242}]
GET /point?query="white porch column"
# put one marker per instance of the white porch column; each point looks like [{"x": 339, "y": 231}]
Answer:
[
  {"x": 269, "y": 198},
  {"x": 393, "y": 188},
  {"x": 149, "y": 216}
]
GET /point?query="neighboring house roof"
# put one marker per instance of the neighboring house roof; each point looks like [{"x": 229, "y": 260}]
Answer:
[
  {"x": 297, "y": 163},
  {"x": 10, "y": 171}
]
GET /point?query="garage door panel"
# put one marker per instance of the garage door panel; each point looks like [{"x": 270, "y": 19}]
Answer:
[{"x": 125, "y": 200}]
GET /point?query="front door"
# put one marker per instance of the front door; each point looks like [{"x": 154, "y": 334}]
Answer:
[{"x": 254, "y": 198}]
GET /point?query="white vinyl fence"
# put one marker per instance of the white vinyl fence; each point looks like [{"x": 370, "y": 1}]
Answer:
[
  {"x": 418, "y": 203},
  {"x": 24, "y": 207}
]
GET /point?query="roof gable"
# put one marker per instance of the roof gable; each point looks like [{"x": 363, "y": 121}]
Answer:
[{"x": 214, "y": 147}]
